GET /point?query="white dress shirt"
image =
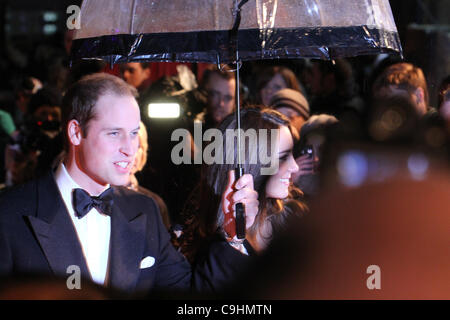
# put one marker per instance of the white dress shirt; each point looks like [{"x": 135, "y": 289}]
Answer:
[{"x": 93, "y": 230}]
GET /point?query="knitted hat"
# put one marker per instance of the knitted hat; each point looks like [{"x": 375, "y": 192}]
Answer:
[{"x": 292, "y": 99}]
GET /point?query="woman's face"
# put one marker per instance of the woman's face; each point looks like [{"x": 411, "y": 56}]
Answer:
[
  {"x": 278, "y": 184},
  {"x": 274, "y": 85}
]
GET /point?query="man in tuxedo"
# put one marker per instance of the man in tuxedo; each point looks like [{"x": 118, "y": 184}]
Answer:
[{"x": 73, "y": 217}]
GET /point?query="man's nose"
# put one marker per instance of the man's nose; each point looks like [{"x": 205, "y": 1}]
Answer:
[{"x": 128, "y": 146}]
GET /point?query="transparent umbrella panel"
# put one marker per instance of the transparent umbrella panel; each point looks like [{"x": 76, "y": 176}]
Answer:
[{"x": 199, "y": 30}]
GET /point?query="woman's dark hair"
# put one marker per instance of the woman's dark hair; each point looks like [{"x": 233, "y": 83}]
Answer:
[{"x": 204, "y": 215}]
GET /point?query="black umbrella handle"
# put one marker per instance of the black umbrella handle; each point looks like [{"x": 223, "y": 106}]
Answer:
[{"x": 240, "y": 210}]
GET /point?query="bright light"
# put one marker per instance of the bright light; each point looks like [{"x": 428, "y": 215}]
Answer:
[
  {"x": 418, "y": 166},
  {"x": 50, "y": 29},
  {"x": 353, "y": 168},
  {"x": 163, "y": 110},
  {"x": 50, "y": 16}
]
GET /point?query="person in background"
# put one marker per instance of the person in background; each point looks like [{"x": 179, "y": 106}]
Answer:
[
  {"x": 272, "y": 79},
  {"x": 137, "y": 74},
  {"x": 293, "y": 105},
  {"x": 403, "y": 79},
  {"x": 444, "y": 101},
  {"x": 220, "y": 89},
  {"x": 332, "y": 90},
  {"x": 38, "y": 142},
  {"x": 309, "y": 153},
  {"x": 138, "y": 165},
  {"x": 27, "y": 87},
  {"x": 7, "y": 128}
]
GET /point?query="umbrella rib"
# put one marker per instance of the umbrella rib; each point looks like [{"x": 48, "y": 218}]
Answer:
[{"x": 133, "y": 11}]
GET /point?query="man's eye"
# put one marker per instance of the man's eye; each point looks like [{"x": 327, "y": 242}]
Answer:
[{"x": 113, "y": 133}]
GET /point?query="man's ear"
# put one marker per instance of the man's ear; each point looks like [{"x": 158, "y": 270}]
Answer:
[{"x": 74, "y": 133}]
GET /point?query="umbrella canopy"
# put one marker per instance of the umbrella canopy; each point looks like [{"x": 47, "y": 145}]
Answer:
[{"x": 199, "y": 30}]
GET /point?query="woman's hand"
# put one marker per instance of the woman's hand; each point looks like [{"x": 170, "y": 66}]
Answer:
[
  {"x": 240, "y": 191},
  {"x": 305, "y": 165}
]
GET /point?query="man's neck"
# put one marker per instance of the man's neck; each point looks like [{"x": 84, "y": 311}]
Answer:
[{"x": 82, "y": 178}]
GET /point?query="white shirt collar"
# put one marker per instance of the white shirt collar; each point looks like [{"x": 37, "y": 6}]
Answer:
[
  {"x": 66, "y": 185},
  {"x": 93, "y": 230}
]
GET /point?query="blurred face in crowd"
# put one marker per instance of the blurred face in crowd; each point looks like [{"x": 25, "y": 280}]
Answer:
[
  {"x": 307, "y": 178},
  {"x": 105, "y": 153},
  {"x": 417, "y": 97},
  {"x": 445, "y": 110},
  {"x": 134, "y": 74},
  {"x": 278, "y": 184},
  {"x": 313, "y": 149},
  {"x": 274, "y": 85},
  {"x": 221, "y": 97},
  {"x": 47, "y": 113},
  {"x": 445, "y": 113},
  {"x": 318, "y": 83}
]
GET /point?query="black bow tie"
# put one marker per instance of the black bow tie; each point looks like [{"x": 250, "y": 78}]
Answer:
[{"x": 83, "y": 202}]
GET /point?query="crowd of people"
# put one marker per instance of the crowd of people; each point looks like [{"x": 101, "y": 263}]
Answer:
[{"x": 92, "y": 173}]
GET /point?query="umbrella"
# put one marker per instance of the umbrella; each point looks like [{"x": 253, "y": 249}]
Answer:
[
  {"x": 199, "y": 30},
  {"x": 230, "y": 31}
]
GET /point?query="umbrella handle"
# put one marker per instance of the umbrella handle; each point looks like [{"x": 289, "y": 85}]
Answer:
[{"x": 240, "y": 210}]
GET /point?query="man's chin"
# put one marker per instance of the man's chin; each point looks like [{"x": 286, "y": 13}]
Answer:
[{"x": 120, "y": 181}]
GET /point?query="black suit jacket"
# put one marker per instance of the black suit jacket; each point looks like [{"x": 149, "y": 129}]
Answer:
[{"x": 37, "y": 236}]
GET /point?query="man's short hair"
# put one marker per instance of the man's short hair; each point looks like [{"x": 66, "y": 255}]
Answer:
[
  {"x": 403, "y": 75},
  {"x": 80, "y": 100}
]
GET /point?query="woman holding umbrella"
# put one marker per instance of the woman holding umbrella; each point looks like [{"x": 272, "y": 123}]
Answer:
[{"x": 206, "y": 221}]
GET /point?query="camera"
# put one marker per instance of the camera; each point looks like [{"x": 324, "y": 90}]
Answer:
[
  {"x": 308, "y": 149},
  {"x": 33, "y": 135}
]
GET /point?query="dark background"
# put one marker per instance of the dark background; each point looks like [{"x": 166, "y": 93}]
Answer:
[{"x": 423, "y": 26}]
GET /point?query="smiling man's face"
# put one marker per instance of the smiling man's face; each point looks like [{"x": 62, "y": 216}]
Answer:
[{"x": 106, "y": 152}]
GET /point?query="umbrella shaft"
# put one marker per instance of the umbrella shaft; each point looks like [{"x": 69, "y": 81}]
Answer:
[{"x": 238, "y": 113}]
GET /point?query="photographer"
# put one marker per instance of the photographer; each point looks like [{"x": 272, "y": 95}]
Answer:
[
  {"x": 308, "y": 153},
  {"x": 38, "y": 142}
]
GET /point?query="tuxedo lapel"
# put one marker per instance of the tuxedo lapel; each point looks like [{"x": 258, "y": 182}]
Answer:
[
  {"x": 128, "y": 230},
  {"x": 54, "y": 230}
]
